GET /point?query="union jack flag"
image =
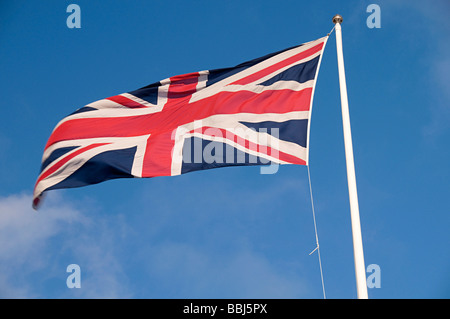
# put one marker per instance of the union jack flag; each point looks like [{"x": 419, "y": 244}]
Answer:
[{"x": 255, "y": 113}]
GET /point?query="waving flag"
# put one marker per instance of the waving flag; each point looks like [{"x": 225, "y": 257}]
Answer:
[{"x": 253, "y": 114}]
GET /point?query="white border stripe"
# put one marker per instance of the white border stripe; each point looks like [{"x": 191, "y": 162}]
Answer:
[
  {"x": 312, "y": 98},
  {"x": 279, "y": 85},
  {"x": 137, "y": 100}
]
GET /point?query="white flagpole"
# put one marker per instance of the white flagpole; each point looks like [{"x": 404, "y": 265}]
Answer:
[{"x": 360, "y": 269}]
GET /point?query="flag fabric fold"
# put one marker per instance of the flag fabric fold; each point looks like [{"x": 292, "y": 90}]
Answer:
[{"x": 256, "y": 113}]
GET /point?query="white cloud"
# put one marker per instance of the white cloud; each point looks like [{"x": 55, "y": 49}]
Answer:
[{"x": 36, "y": 247}]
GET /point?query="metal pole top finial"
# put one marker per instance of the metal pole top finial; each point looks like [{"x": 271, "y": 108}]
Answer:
[{"x": 337, "y": 19}]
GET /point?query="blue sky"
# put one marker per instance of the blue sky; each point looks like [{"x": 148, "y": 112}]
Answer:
[{"x": 230, "y": 232}]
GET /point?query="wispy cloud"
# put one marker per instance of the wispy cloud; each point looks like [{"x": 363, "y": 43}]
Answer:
[
  {"x": 440, "y": 104},
  {"x": 226, "y": 249},
  {"x": 198, "y": 273},
  {"x": 426, "y": 26},
  {"x": 434, "y": 21},
  {"x": 36, "y": 248}
]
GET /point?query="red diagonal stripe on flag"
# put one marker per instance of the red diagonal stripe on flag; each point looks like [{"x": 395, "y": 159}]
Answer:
[
  {"x": 267, "y": 150},
  {"x": 262, "y": 73},
  {"x": 122, "y": 100},
  {"x": 64, "y": 160}
]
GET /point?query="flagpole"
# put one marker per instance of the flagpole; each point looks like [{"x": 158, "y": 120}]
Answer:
[{"x": 360, "y": 269}]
